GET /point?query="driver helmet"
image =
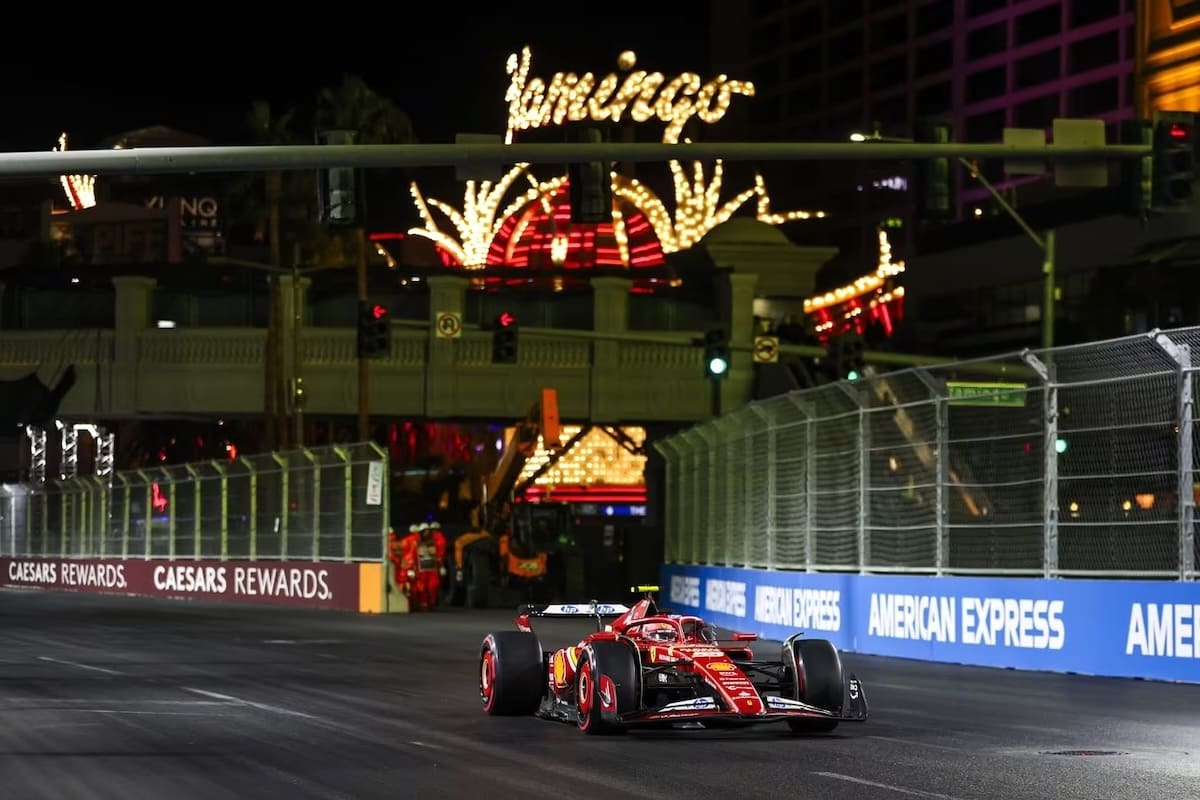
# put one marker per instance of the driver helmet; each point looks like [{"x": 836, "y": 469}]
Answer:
[{"x": 659, "y": 631}]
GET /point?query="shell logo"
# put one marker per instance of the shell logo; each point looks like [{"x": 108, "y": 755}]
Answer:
[{"x": 721, "y": 666}]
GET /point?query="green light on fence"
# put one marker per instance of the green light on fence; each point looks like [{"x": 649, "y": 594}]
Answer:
[
  {"x": 853, "y": 375},
  {"x": 1060, "y": 446}
]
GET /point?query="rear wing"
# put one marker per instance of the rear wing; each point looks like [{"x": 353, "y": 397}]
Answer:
[{"x": 590, "y": 610}]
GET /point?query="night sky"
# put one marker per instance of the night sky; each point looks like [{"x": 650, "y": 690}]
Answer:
[{"x": 445, "y": 68}]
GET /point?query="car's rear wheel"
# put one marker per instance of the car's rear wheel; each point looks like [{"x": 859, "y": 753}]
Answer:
[
  {"x": 819, "y": 681},
  {"x": 511, "y": 673},
  {"x": 608, "y": 682}
]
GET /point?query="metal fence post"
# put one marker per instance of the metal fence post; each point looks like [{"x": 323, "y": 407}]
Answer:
[
  {"x": 864, "y": 473},
  {"x": 1181, "y": 354},
  {"x": 170, "y": 481},
  {"x": 126, "y": 513},
  {"x": 62, "y": 519},
  {"x": 385, "y": 502},
  {"x": 810, "y": 484},
  {"x": 252, "y": 480},
  {"x": 768, "y": 422},
  {"x": 748, "y": 499},
  {"x": 941, "y": 465},
  {"x": 1050, "y": 464},
  {"x": 148, "y": 512},
  {"x": 283, "y": 505},
  {"x": 197, "y": 504},
  {"x": 223, "y": 477},
  {"x": 347, "y": 501},
  {"x": 316, "y": 504}
]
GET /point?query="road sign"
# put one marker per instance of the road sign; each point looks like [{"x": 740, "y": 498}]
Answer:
[
  {"x": 766, "y": 349},
  {"x": 963, "y": 393},
  {"x": 448, "y": 324}
]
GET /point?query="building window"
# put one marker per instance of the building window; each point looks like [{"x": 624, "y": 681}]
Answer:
[
  {"x": 766, "y": 38},
  {"x": 765, "y": 73},
  {"x": 806, "y": 62},
  {"x": 843, "y": 12},
  {"x": 889, "y": 73},
  {"x": 846, "y": 85},
  {"x": 1038, "y": 24},
  {"x": 804, "y": 99},
  {"x": 987, "y": 127},
  {"x": 846, "y": 46},
  {"x": 1037, "y": 113},
  {"x": 985, "y": 84},
  {"x": 1094, "y": 53},
  {"x": 891, "y": 112},
  {"x": 1094, "y": 99},
  {"x": 985, "y": 41},
  {"x": 935, "y": 58},
  {"x": 805, "y": 24},
  {"x": 889, "y": 32},
  {"x": 934, "y": 99},
  {"x": 934, "y": 17},
  {"x": 977, "y": 8},
  {"x": 1038, "y": 69},
  {"x": 1087, "y": 12},
  {"x": 765, "y": 111}
]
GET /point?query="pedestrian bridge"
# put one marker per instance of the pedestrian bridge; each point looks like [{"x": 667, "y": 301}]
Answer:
[{"x": 607, "y": 375}]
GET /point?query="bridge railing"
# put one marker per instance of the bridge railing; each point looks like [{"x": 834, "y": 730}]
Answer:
[
  {"x": 1075, "y": 461},
  {"x": 319, "y": 504}
]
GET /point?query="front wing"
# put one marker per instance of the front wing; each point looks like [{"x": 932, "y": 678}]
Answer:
[{"x": 775, "y": 709}]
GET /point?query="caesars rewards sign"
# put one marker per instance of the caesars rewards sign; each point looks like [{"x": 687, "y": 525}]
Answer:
[{"x": 319, "y": 585}]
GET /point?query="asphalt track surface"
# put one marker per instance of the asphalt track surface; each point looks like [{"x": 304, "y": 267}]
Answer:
[{"x": 108, "y": 697}]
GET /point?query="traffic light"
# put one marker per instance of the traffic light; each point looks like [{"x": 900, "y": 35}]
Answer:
[
  {"x": 339, "y": 191},
  {"x": 1174, "y": 160},
  {"x": 590, "y": 186},
  {"x": 504, "y": 339},
  {"x": 716, "y": 353},
  {"x": 935, "y": 179},
  {"x": 851, "y": 356},
  {"x": 374, "y": 330}
]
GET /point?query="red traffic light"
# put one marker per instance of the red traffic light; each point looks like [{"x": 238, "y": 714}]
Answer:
[
  {"x": 506, "y": 320},
  {"x": 1178, "y": 130},
  {"x": 378, "y": 311}
]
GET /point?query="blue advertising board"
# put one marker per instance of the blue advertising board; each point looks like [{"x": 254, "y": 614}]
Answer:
[{"x": 1134, "y": 629}]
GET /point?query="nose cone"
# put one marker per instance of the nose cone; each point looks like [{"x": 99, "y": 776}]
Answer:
[{"x": 733, "y": 684}]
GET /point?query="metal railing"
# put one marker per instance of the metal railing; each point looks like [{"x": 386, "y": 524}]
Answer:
[
  {"x": 322, "y": 504},
  {"x": 1075, "y": 461}
]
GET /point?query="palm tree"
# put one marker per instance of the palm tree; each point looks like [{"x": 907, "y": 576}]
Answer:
[
  {"x": 269, "y": 129},
  {"x": 355, "y": 106}
]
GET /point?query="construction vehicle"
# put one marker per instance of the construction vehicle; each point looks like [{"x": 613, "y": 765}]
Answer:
[{"x": 522, "y": 549}]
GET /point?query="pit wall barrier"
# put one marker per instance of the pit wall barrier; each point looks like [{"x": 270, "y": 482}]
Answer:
[
  {"x": 318, "y": 585},
  {"x": 1125, "y": 629}
]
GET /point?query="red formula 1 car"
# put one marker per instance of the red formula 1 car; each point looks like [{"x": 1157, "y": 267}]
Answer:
[{"x": 647, "y": 669}]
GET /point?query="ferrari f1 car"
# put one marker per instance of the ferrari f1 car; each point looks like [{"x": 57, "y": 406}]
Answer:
[{"x": 644, "y": 668}]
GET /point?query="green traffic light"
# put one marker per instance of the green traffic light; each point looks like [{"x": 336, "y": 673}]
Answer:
[
  {"x": 717, "y": 366},
  {"x": 853, "y": 375}
]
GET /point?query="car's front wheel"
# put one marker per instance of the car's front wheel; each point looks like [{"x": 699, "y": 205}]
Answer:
[{"x": 607, "y": 682}]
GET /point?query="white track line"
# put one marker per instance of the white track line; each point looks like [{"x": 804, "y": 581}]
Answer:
[
  {"x": 250, "y": 703},
  {"x": 897, "y": 789},
  {"x": 77, "y": 665}
]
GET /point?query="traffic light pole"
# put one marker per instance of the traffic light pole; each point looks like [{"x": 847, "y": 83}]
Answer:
[
  {"x": 364, "y": 411},
  {"x": 166, "y": 160}
]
